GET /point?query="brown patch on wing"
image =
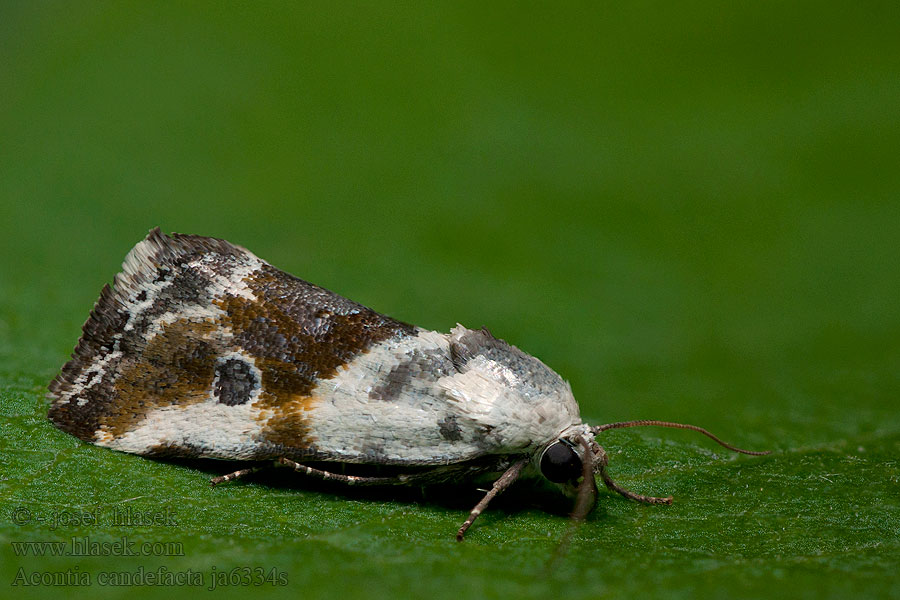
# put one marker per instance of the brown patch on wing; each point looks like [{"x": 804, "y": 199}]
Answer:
[
  {"x": 288, "y": 426},
  {"x": 174, "y": 450},
  {"x": 302, "y": 332},
  {"x": 298, "y": 334},
  {"x": 176, "y": 368}
]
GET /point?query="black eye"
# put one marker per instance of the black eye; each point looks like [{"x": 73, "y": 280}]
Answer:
[{"x": 560, "y": 463}]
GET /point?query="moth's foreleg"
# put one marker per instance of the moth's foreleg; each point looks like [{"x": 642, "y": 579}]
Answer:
[
  {"x": 401, "y": 479},
  {"x": 232, "y": 476},
  {"x": 500, "y": 485}
]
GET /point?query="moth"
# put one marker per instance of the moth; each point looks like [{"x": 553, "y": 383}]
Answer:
[{"x": 201, "y": 349}]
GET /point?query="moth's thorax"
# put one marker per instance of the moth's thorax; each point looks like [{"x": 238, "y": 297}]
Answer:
[
  {"x": 527, "y": 402},
  {"x": 438, "y": 398}
]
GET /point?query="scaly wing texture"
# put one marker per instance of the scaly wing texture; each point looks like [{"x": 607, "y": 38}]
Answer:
[{"x": 203, "y": 349}]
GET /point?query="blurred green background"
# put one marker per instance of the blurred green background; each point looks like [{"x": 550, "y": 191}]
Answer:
[{"x": 689, "y": 210}]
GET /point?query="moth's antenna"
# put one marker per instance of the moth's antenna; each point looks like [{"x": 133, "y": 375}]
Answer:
[
  {"x": 622, "y": 424},
  {"x": 601, "y": 464}
]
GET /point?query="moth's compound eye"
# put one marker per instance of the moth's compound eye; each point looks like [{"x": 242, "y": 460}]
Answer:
[{"x": 560, "y": 463}]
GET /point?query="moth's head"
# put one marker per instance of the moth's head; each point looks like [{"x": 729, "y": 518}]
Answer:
[{"x": 569, "y": 464}]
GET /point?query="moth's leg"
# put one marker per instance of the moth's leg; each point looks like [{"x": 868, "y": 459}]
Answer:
[
  {"x": 587, "y": 489},
  {"x": 232, "y": 476},
  {"x": 401, "y": 479},
  {"x": 500, "y": 485},
  {"x": 601, "y": 469}
]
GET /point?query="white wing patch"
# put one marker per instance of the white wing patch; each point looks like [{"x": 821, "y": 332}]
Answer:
[{"x": 233, "y": 431}]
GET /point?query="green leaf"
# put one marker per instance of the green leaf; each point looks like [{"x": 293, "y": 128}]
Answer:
[{"x": 688, "y": 210}]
